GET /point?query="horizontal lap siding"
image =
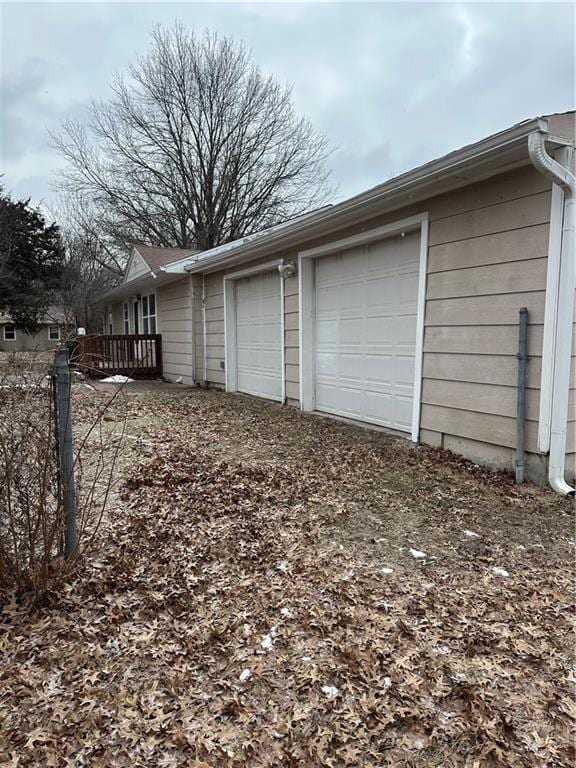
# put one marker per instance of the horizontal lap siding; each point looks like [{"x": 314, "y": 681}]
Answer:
[
  {"x": 174, "y": 308},
  {"x": 198, "y": 328},
  {"x": 291, "y": 338},
  {"x": 485, "y": 262},
  {"x": 214, "y": 314}
]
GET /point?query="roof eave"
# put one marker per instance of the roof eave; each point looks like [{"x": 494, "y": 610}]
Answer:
[
  {"x": 151, "y": 280},
  {"x": 486, "y": 158}
]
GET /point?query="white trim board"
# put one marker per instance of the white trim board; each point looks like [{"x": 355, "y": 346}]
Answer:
[
  {"x": 307, "y": 309},
  {"x": 550, "y": 318},
  {"x": 230, "y": 357}
]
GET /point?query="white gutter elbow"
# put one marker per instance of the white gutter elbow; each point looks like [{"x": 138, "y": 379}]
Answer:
[{"x": 564, "y": 310}]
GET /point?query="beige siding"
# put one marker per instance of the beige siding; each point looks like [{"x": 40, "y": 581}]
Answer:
[
  {"x": 174, "y": 322},
  {"x": 25, "y": 342},
  {"x": 487, "y": 258},
  {"x": 484, "y": 264},
  {"x": 118, "y": 317},
  {"x": 214, "y": 314},
  {"x": 137, "y": 268}
]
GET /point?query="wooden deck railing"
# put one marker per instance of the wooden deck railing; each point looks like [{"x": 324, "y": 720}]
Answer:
[{"x": 138, "y": 356}]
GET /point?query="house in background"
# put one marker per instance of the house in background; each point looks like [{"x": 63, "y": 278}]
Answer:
[
  {"x": 398, "y": 307},
  {"x": 52, "y": 331}
]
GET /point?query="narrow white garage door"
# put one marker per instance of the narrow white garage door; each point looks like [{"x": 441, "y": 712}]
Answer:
[
  {"x": 259, "y": 335},
  {"x": 366, "y": 306}
]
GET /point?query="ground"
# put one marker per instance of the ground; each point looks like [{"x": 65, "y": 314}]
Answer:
[{"x": 271, "y": 588}]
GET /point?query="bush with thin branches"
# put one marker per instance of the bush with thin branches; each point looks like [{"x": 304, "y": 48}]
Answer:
[{"x": 31, "y": 498}]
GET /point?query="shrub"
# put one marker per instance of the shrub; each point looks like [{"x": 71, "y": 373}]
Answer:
[{"x": 31, "y": 510}]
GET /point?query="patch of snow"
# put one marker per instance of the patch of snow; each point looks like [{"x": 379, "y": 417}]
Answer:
[
  {"x": 387, "y": 570},
  {"x": 306, "y": 659},
  {"x": 471, "y": 534},
  {"x": 330, "y": 690},
  {"x": 283, "y": 566},
  {"x": 443, "y": 650},
  {"x": 267, "y": 641},
  {"x": 417, "y": 553},
  {"x": 286, "y": 612},
  {"x": 499, "y": 571},
  {"x": 245, "y": 675},
  {"x": 520, "y": 548},
  {"x": 387, "y": 682},
  {"x": 117, "y": 379}
]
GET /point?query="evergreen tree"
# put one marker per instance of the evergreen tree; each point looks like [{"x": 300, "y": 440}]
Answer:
[{"x": 31, "y": 262}]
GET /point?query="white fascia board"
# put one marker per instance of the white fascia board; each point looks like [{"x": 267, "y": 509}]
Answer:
[
  {"x": 150, "y": 282},
  {"x": 408, "y": 188}
]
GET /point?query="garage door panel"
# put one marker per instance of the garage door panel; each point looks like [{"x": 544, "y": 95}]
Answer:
[
  {"x": 380, "y": 292},
  {"x": 404, "y": 372},
  {"x": 378, "y": 407},
  {"x": 366, "y": 306},
  {"x": 380, "y": 369},
  {"x": 351, "y": 331},
  {"x": 403, "y": 413},
  {"x": 259, "y": 335}
]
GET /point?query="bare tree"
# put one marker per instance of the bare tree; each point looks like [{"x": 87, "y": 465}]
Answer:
[
  {"x": 85, "y": 277},
  {"x": 91, "y": 266},
  {"x": 196, "y": 147}
]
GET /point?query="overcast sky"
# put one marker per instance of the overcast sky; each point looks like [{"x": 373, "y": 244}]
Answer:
[{"x": 393, "y": 85}]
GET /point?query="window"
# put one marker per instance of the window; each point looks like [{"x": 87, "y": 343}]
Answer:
[
  {"x": 110, "y": 323},
  {"x": 149, "y": 313},
  {"x": 54, "y": 332},
  {"x": 9, "y": 333},
  {"x": 126, "y": 318}
]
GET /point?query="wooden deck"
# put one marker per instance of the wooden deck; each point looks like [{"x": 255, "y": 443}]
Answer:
[{"x": 138, "y": 356}]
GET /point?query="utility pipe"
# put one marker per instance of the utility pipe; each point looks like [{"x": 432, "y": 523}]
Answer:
[
  {"x": 565, "y": 311},
  {"x": 521, "y": 395},
  {"x": 204, "y": 331}
]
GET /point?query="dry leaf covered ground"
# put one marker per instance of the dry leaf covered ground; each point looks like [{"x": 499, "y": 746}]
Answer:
[{"x": 279, "y": 589}]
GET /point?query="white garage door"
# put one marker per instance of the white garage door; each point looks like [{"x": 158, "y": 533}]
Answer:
[
  {"x": 366, "y": 305},
  {"x": 259, "y": 335}
]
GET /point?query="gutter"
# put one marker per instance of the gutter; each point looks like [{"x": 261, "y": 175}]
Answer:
[
  {"x": 407, "y": 188},
  {"x": 562, "y": 297}
]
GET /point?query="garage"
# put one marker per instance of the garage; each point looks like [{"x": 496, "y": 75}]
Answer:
[
  {"x": 365, "y": 331},
  {"x": 258, "y": 331}
]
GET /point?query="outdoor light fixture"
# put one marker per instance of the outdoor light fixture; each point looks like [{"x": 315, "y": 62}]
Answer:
[{"x": 287, "y": 270}]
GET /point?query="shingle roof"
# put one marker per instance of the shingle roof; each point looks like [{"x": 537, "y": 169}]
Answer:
[{"x": 159, "y": 257}]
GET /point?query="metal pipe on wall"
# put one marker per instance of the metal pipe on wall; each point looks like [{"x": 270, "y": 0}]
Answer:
[{"x": 521, "y": 393}]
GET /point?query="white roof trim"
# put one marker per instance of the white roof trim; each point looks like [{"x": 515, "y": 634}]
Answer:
[{"x": 411, "y": 187}]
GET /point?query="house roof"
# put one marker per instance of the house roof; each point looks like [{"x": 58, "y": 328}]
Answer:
[
  {"x": 495, "y": 154},
  {"x": 158, "y": 257},
  {"x": 492, "y": 155}
]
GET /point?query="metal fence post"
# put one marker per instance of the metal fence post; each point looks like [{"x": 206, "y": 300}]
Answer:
[
  {"x": 65, "y": 448},
  {"x": 521, "y": 395}
]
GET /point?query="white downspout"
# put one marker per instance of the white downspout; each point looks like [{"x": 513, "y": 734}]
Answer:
[{"x": 566, "y": 285}]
